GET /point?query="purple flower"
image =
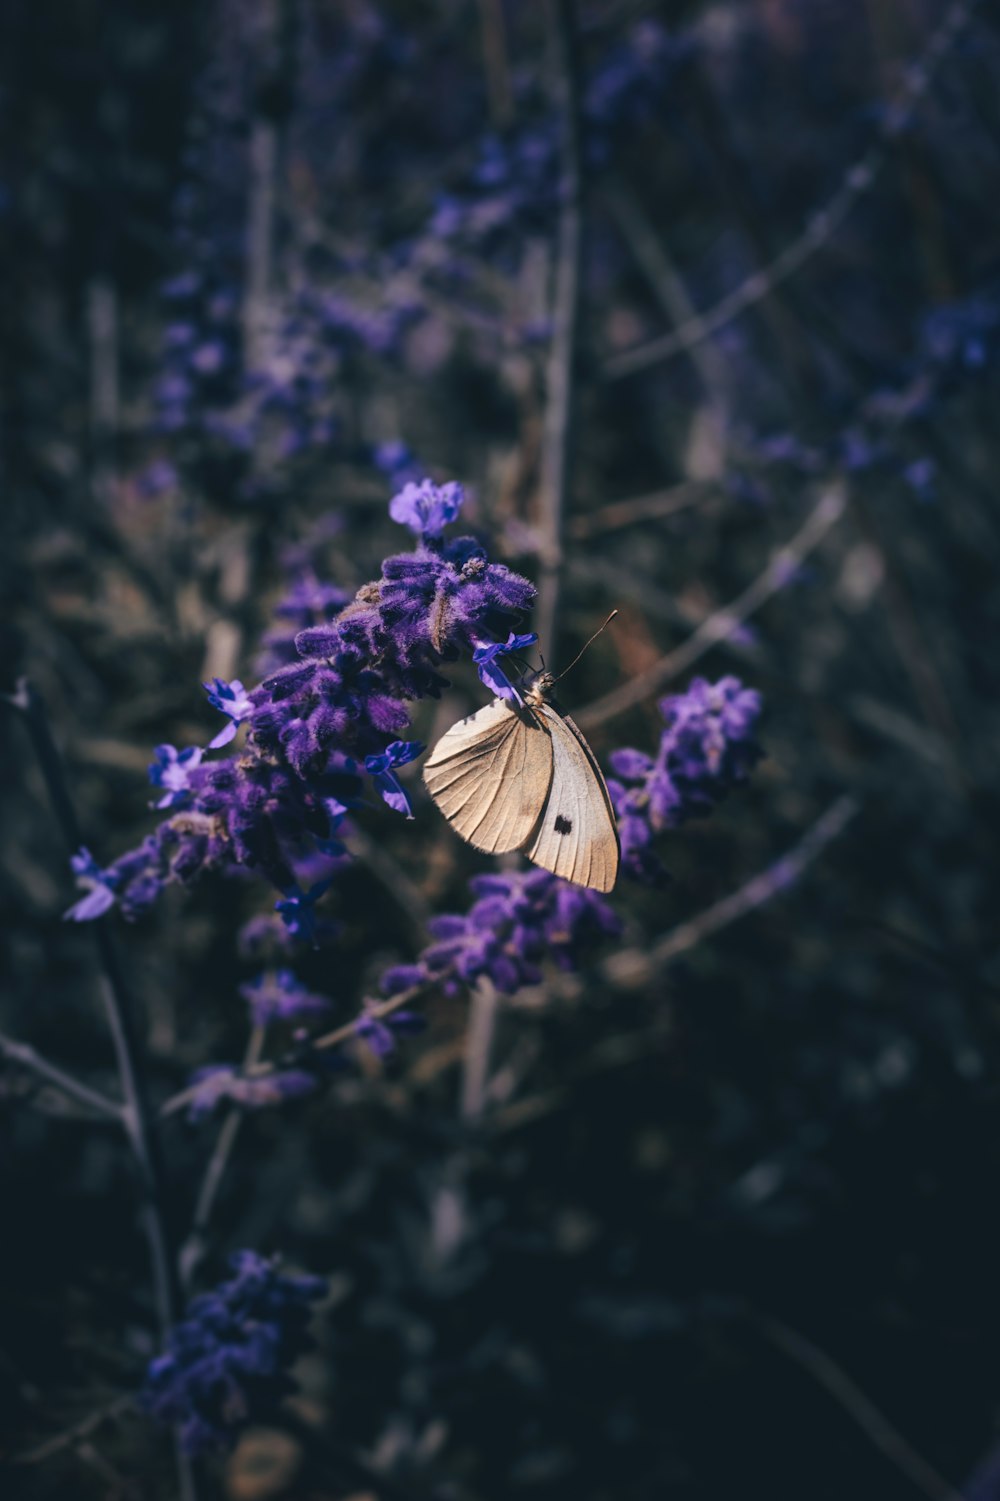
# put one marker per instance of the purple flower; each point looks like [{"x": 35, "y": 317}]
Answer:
[
  {"x": 380, "y": 1033},
  {"x": 485, "y": 657},
  {"x": 706, "y": 748},
  {"x": 518, "y": 921},
  {"x": 172, "y": 771},
  {"x": 427, "y": 508},
  {"x": 296, "y": 909},
  {"x": 100, "y": 888},
  {"x": 278, "y": 995},
  {"x": 381, "y": 768},
  {"x": 231, "y": 700},
  {"x": 226, "y": 1364},
  {"x": 220, "y": 1083}
]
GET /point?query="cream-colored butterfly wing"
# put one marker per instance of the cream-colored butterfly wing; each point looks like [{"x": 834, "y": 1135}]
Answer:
[
  {"x": 577, "y": 836},
  {"x": 490, "y": 775}
]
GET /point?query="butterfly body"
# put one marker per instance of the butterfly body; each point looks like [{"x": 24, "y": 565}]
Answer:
[{"x": 522, "y": 777}]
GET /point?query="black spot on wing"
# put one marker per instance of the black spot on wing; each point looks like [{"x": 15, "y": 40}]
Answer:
[{"x": 563, "y": 825}]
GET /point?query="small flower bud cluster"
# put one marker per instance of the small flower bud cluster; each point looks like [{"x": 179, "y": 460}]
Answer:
[
  {"x": 228, "y": 1360},
  {"x": 706, "y": 748}
]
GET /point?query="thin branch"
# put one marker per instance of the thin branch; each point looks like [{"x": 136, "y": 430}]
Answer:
[
  {"x": 478, "y": 1053},
  {"x": 21, "y": 1053},
  {"x": 858, "y": 180},
  {"x": 857, "y": 1404},
  {"x": 332, "y": 1039},
  {"x": 193, "y": 1249},
  {"x": 119, "y": 1013},
  {"x": 70, "y": 1437},
  {"x": 655, "y": 505},
  {"x": 493, "y": 30},
  {"x": 634, "y": 967},
  {"x": 722, "y": 623},
  {"x": 665, "y": 282},
  {"x": 560, "y": 382}
]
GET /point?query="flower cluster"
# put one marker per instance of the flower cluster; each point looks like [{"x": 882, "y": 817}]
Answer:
[
  {"x": 707, "y": 746},
  {"x": 518, "y": 921},
  {"x": 317, "y": 726},
  {"x": 227, "y": 1363},
  {"x": 279, "y": 995}
]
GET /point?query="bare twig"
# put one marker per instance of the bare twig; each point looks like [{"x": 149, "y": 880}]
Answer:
[
  {"x": 332, "y": 1039},
  {"x": 479, "y": 1048},
  {"x": 722, "y": 623},
  {"x": 634, "y": 967},
  {"x": 655, "y": 505},
  {"x": 76, "y": 1433},
  {"x": 137, "y": 1116},
  {"x": 668, "y": 288},
  {"x": 857, "y": 1404},
  {"x": 493, "y": 29},
  {"x": 193, "y": 1249},
  {"x": 560, "y": 382},
  {"x": 857, "y": 181},
  {"x": 21, "y": 1053}
]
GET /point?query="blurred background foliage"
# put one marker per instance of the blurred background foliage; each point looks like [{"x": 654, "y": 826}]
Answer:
[{"x": 724, "y": 1222}]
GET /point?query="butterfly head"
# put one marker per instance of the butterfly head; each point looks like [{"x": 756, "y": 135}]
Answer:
[{"x": 536, "y": 687}]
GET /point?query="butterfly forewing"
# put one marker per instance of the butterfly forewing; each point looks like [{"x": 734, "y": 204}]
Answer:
[
  {"x": 577, "y": 836},
  {"x": 490, "y": 776}
]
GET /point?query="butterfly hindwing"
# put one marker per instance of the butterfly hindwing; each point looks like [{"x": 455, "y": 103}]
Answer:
[
  {"x": 577, "y": 836},
  {"x": 490, "y": 776}
]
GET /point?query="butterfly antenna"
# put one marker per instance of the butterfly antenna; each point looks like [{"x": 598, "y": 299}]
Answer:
[{"x": 586, "y": 644}]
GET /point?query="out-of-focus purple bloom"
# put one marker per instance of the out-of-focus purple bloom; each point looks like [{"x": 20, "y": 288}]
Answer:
[
  {"x": 707, "y": 747},
  {"x": 221, "y": 1083},
  {"x": 279, "y": 995},
  {"x": 232, "y": 700},
  {"x": 226, "y": 1364},
  {"x": 921, "y": 476},
  {"x": 427, "y": 508},
  {"x": 156, "y": 478},
  {"x": 380, "y": 1033},
  {"x": 491, "y": 673},
  {"x": 396, "y": 461},
  {"x": 100, "y": 887},
  {"x": 382, "y": 770},
  {"x": 172, "y": 771},
  {"x": 296, "y": 909},
  {"x": 517, "y": 922}
]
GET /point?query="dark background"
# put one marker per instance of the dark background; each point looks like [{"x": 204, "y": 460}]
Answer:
[{"x": 732, "y": 1230}]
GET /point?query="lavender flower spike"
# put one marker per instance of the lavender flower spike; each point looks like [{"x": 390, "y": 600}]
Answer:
[
  {"x": 232, "y": 700},
  {"x": 427, "y": 508},
  {"x": 491, "y": 674},
  {"x": 226, "y": 1364}
]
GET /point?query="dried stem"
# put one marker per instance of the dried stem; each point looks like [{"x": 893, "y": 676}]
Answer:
[
  {"x": 332, "y": 1039},
  {"x": 657, "y": 504},
  {"x": 137, "y": 1116},
  {"x": 860, "y": 1408},
  {"x": 21, "y": 1053},
  {"x": 560, "y": 374},
  {"x": 479, "y": 1048},
  {"x": 722, "y": 623},
  {"x": 194, "y": 1247},
  {"x": 634, "y": 967},
  {"x": 858, "y": 180},
  {"x": 76, "y": 1433}
]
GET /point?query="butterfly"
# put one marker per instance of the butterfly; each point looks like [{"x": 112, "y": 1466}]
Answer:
[{"x": 522, "y": 777}]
